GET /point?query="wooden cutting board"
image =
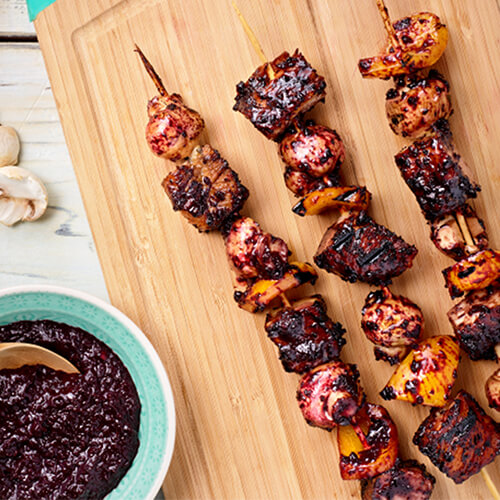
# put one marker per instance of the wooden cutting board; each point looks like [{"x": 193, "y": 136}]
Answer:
[{"x": 240, "y": 432}]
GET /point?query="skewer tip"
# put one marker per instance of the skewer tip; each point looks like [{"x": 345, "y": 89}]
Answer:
[
  {"x": 250, "y": 34},
  {"x": 151, "y": 72}
]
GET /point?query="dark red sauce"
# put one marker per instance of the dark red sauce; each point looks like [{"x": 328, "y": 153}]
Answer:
[{"x": 65, "y": 435}]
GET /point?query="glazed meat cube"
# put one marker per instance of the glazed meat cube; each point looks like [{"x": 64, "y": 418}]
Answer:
[
  {"x": 476, "y": 322},
  {"x": 357, "y": 248},
  {"x": 436, "y": 174},
  {"x": 459, "y": 439},
  {"x": 205, "y": 189},
  {"x": 407, "y": 480},
  {"x": 305, "y": 335},
  {"x": 279, "y": 91}
]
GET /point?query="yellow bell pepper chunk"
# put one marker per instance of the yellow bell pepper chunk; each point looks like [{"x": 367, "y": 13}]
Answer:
[
  {"x": 260, "y": 294},
  {"x": 342, "y": 197},
  {"x": 426, "y": 376},
  {"x": 473, "y": 273}
]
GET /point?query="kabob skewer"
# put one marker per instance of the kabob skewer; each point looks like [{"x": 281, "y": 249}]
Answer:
[
  {"x": 209, "y": 194},
  {"x": 355, "y": 247},
  {"x": 418, "y": 108},
  {"x": 349, "y": 259}
]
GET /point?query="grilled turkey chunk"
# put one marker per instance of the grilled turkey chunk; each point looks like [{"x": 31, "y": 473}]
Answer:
[
  {"x": 460, "y": 439},
  {"x": 205, "y": 189},
  {"x": 436, "y": 174},
  {"x": 357, "y": 248},
  {"x": 476, "y": 323},
  {"x": 279, "y": 91},
  {"x": 407, "y": 480},
  {"x": 305, "y": 335}
]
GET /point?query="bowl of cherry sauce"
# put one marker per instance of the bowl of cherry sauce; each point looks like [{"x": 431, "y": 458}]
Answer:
[{"x": 105, "y": 432}]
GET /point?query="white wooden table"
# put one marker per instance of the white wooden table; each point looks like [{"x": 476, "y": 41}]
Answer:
[{"x": 58, "y": 249}]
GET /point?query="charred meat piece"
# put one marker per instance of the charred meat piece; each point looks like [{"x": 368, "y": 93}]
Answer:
[
  {"x": 205, "y": 189},
  {"x": 426, "y": 376},
  {"x": 407, "y": 480},
  {"x": 476, "y": 323},
  {"x": 447, "y": 236},
  {"x": 421, "y": 40},
  {"x": 460, "y": 439},
  {"x": 305, "y": 335},
  {"x": 255, "y": 253},
  {"x": 417, "y": 102},
  {"x": 376, "y": 451},
  {"x": 475, "y": 272},
  {"x": 357, "y": 248},
  {"x": 313, "y": 149},
  {"x": 173, "y": 129},
  {"x": 436, "y": 174},
  {"x": 391, "y": 321},
  {"x": 330, "y": 395},
  {"x": 300, "y": 183},
  {"x": 279, "y": 91},
  {"x": 493, "y": 390}
]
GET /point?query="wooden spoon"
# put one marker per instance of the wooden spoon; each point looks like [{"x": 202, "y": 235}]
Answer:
[{"x": 16, "y": 354}]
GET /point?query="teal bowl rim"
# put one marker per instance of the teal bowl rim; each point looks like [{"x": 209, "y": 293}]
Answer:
[{"x": 137, "y": 333}]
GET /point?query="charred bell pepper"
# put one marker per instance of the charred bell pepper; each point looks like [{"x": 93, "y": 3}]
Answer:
[
  {"x": 340, "y": 197},
  {"x": 380, "y": 451},
  {"x": 261, "y": 293},
  {"x": 473, "y": 273},
  {"x": 426, "y": 376}
]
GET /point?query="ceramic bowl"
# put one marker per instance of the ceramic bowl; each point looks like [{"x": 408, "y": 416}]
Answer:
[{"x": 157, "y": 428}]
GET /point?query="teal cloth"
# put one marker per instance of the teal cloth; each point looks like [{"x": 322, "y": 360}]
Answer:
[{"x": 36, "y": 6}]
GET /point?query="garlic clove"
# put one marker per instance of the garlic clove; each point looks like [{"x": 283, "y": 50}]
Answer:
[
  {"x": 9, "y": 146},
  {"x": 23, "y": 197}
]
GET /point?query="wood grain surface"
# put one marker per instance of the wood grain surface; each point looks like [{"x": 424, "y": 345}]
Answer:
[
  {"x": 58, "y": 248},
  {"x": 240, "y": 431}
]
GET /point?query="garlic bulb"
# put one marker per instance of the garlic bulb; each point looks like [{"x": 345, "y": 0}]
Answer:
[
  {"x": 9, "y": 146},
  {"x": 23, "y": 197}
]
